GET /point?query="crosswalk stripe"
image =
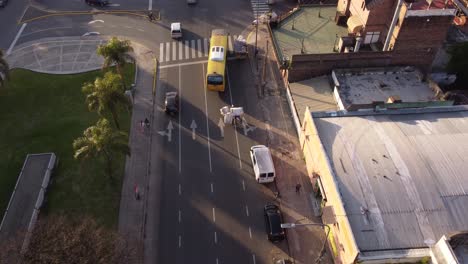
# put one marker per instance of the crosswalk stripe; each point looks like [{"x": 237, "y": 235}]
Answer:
[
  {"x": 200, "y": 48},
  {"x": 174, "y": 51},
  {"x": 161, "y": 52},
  {"x": 205, "y": 42},
  {"x": 168, "y": 47},
  {"x": 187, "y": 51},
  {"x": 194, "y": 51},
  {"x": 181, "y": 47}
]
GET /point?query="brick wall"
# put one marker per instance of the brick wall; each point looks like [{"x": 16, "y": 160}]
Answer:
[
  {"x": 380, "y": 17},
  {"x": 422, "y": 33},
  {"x": 311, "y": 65}
]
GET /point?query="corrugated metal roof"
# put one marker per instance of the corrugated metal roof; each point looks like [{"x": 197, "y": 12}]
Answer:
[{"x": 403, "y": 178}]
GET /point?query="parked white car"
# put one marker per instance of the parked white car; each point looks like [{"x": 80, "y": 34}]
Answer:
[
  {"x": 262, "y": 163},
  {"x": 176, "y": 30}
]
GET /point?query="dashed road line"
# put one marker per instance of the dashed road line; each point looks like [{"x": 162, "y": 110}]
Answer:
[
  {"x": 243, "y": 185},
  {"x": 180, "y": 216},
  {"x": 180, "y": 241},
  {"x": 214, "y": 215},
  {"x": 180, "y": 189},
  {"x": 215, "y": 237},
  {"x": 247, "y": 210},
  {"x": 212, "y": 188},
  {"x": 250, "y": 232},
  {"x": 253, "y": 258}
]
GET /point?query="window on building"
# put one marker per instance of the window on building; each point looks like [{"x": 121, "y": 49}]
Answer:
[{"x": 371, "y": 37}]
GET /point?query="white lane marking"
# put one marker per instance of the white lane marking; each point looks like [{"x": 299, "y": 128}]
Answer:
[
  {"x": 168, "y": 51},
  {"x": 253, "y": 258},
  {"x": 180, "y": 241},
  {"x": 193, "y": 126},
  {"x": 180, "y": 216},
  {"x": 181, "y": 55},
  {"x": 214, "y": 215},
  {"x": 180, "y": 189},
  {"x": 247, "y": 210},
  {"x": 215, "y": 237},
  {"x": 174, "y": 51},
  {"x": 212, "y": 188},
  {"x": 237, "y": 138},
  {"x": 150, "y": 5},
  {"x": 243, "y": 185},
  {"x": 92, "y": 33},
  {"x": 127, "y": 27},
  {"x": 200, "y": 48},
  {"x": 161, "y": 52},
  {"x": 205, "y": 46},
  {"x": 180, "y": 121},
  {"x": 207, "y": 123},
  {"x": 217, "y": 261},
  {"x": 95, "y": 21},
  {"x": 250, "y": 232},
  {"x": 194, "y": 49},
  {"x": 182, "y": 64},
  {"x": 16, "y": 39},
  {"x": 141, "y": 30},
  {"x": 187, "y": 50},
  {"x": 114, "y": 5}
]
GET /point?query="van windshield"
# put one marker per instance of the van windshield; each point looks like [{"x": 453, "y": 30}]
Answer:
[
  {"x": 271, "y": 174},
  {"x": 263, "y": 175}
]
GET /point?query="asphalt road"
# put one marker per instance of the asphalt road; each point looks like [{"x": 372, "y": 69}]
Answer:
[{"x": 211, "y": 206}]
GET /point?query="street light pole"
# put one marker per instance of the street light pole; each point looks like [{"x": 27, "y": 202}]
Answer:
[{"x": 256, "y": 34}]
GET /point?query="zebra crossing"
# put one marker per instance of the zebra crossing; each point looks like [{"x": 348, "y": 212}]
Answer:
[
  {"x": 259, "y": 7},
  {"x": 188, "y": 49}
]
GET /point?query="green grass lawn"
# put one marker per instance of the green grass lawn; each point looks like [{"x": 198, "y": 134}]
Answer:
[{"x": 45, "y": 113}]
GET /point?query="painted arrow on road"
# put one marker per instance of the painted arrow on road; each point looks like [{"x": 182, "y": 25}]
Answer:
[
  {"x": 221, "y": 126},
  {"x": 247, "y": 128},
  {"x": 167, "y": 133},
  {"x": 193, "y": 126}
]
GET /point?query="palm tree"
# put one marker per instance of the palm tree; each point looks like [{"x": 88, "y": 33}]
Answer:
[
  {"x": 101, "y": 139},
  {"x": 4, "y": 69},
  {"x": 105, "y": 95},
  {"x": 115, "y": 52}
]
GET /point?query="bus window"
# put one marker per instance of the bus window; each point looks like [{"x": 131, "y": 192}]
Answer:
[{"x": 215, "y": 79}]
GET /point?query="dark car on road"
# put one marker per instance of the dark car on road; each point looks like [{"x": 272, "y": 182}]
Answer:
[
  {"x": 97, "y": 2},
  {"x": 273, "y": 220},
  {"x": 171, "y": 103},
  {"x": 3, "y": 3}
]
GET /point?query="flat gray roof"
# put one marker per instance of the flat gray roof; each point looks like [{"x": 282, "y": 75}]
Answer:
[
  {"x": 365, "y": 86},
  {"x": 403, "y": 178},
  {"x": 315, "y": 93}
]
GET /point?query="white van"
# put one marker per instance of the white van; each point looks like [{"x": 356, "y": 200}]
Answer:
[
  {"x": 176, "y": 30},
  {"x": 262, "y": 163}
]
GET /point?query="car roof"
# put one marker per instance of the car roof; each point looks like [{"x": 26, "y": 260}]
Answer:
[
  {"x": 175, "y": 26},
  {"x": 263, "y": 157}
]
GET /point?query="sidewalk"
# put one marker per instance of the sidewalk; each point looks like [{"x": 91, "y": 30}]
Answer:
[
  {"x": 305, "y": 242},
  {"x": 68, "y": 55}
]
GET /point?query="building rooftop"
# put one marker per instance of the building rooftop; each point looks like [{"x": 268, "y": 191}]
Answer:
[
  {"x": 364, "y": 86},
  {"x": 315, "y": 31},
  {"x": 315, "y": 93},
  {"x": 401, "y": 173},
  {"x": 431, "y": 5}
]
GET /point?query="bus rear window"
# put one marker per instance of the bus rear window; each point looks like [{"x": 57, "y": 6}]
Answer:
[{"x": 215, "y": 79}]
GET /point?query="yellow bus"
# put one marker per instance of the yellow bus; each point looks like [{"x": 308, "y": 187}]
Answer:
[{"x": 215, "y": 73}]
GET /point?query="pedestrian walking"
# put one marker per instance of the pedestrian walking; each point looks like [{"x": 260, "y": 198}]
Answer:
[
  {"x": 137, "y": 193},
  {"x": 298, "y": 188},
  {"x": 147, "y": 123},
  {"x": 151, "y": 16}
]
